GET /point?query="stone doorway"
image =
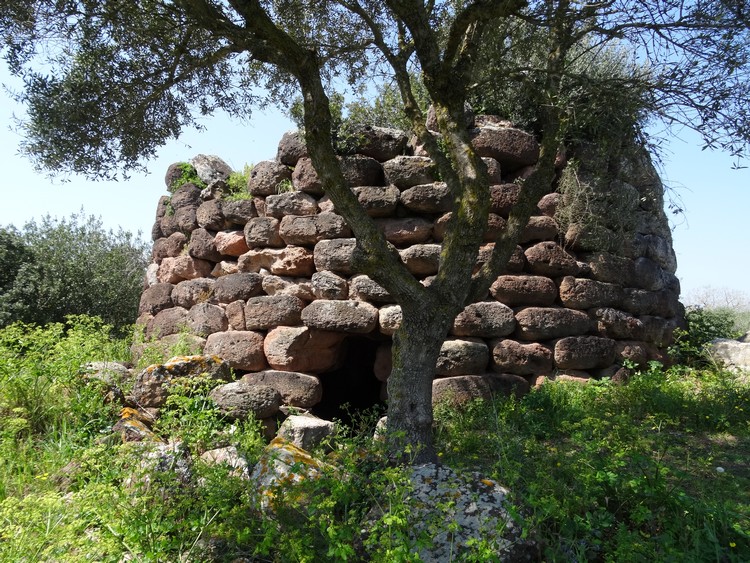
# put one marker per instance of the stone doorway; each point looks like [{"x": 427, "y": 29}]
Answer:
[{"x": 352, "y": 387}]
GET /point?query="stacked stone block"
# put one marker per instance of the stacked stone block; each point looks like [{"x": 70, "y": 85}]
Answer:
[{"x": 267, "y": 283}]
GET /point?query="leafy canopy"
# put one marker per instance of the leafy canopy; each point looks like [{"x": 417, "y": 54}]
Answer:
[{"x": 55, "y": 268}]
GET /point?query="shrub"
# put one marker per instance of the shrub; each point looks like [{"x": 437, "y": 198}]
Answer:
[
  {"x": 702, "y": 327},
  {"x": 71, "y": 267},
  {"x": 237, "y": 184},
  {"x": 188, "y": 175}
]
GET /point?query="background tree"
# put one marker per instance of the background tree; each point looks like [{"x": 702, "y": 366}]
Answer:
[
  {"x": 130, "y": 75},
  {"x": 73, "y": 266}
]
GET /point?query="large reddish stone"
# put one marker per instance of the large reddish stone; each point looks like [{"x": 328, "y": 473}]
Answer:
[
  {"x": 547, "y": 323},
  {"x": 305, "y": 178},
  {"x": 485, "y": 319},
  {"x": 406, "y": 231},
  {"x": 296, "y": 389},
  {"x": 512, "y": 148},
  {"x": 510, "y": 356},
  {"x": 549, "y": 259},
  {"x": 539, "y": 228},
  {"x": 503, "y": 197},
  {"x": 231, "y": 243},
  {"x": 269, "y": 311},
  {"x": 308, "y": 230},
  {"x": 302, "y": 349},
  {"x": 345, "y": 316},
  {"x": 581, "y": 293},
  {"x": 462, "y": 356},
  {"x": 174, "y": 270},
  {"x": 289, "y": 261},
  {"x": 584, "y": 352},
  {"x": 524, "y": 290},
  {"x": 241, "y": 349}
]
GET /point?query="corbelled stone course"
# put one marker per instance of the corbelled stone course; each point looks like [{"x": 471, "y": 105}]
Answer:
[{"x": 268, "y": 282}]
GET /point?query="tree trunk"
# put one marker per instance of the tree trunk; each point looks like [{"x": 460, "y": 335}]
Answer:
[{"x": 416, "y": 347}]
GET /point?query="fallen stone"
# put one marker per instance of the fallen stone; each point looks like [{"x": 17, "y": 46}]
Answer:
[
  {"x": 296, "y": 389},
  {"x": 306, "y": 432}
]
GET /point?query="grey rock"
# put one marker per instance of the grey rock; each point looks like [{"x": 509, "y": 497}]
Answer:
[
  {"x": 297, "y": 389},
  {"x": 485, "y": 319},
  {"x": 344, "y": 316},
  {"x": 210, "y": 168},
  {"x": 266, "y": 176},
  {"x": 239, "y": 400},
  {"x": 306, "y": 432},
  {"x": 462, "y": 357}
]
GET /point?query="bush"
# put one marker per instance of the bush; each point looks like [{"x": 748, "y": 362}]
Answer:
[
  {"x": 70, "y": 267},
  {"x": 702, "y": 327}
]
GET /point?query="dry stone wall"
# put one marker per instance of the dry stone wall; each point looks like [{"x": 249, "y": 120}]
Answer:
[{"x": 266, "y": 283}]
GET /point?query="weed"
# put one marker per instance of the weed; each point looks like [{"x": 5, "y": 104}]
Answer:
[
  {"x": 284, "y": 186},
  {"x": 188, "y": 175},
  {"x": 237, "y": 185}
]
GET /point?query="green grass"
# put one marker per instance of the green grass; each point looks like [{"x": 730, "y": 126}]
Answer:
[{"x": 601, "y": 472}]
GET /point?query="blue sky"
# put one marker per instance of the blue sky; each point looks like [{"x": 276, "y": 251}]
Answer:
[{"x": 709, "y": 238}]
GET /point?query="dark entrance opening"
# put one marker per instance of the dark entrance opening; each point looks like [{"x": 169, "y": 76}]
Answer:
[{"x": 353, "y": 387}]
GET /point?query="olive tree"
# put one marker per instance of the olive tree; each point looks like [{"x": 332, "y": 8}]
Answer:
[{"x": 108, "y": 81}]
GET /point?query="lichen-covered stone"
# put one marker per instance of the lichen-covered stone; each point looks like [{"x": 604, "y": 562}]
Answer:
[
  {"x": 306, "y": 432},
  {"x": 152, "y": 385}
]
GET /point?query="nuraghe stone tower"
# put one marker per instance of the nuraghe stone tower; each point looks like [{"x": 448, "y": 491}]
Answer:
[{"x": 266, "y": 283}]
